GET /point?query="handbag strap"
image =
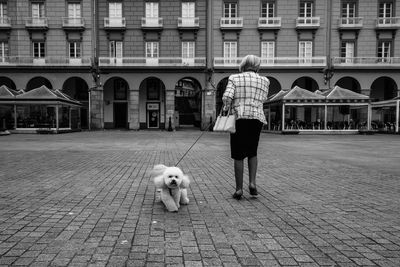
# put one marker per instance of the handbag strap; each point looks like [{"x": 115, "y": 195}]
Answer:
[{"x": 229, "y": 111}]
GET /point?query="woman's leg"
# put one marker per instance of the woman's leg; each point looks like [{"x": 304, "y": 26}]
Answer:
[
  {"x": 253, "y": 162},
  {"x": 238, "y": 166}
]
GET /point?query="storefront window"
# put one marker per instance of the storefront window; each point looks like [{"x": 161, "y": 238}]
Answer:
[
  {"x": 63, "y": 113},
  {"x": 383, "y": 119},
  {"x": 346, "y": 117},
  {"x": 304, "y": 117},
  {"x": 36, "y": 116},
  {"x": 6, "y": 116}
]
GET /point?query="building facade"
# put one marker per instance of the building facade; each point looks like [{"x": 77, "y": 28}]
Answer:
[{"x": 155, "y": 64}]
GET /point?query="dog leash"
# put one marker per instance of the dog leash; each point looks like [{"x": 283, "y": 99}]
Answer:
[{"x": 198, "y": 138}]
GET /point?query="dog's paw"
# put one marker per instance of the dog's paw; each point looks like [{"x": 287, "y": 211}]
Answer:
[
  {"x": 175, "y": 209},
  {"x": 184, "y": 201}
]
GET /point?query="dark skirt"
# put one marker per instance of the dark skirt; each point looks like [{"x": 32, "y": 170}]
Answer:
[{"x": 244, "y": 142}]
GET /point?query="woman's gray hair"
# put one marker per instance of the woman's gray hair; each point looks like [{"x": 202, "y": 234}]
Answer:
[{"x": 250, "y": 62}]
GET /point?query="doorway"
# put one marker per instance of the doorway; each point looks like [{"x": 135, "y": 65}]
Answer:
[
  {"x": 120, "y": 115},
  {"x": 153, "y": 115}
]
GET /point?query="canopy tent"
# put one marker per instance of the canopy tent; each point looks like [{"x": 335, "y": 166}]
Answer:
[
  {"x": 389, "y": 109},
  {"x": 41, "y": 108},
  {"x": 7, "y": 97},
  {"x": 301, "y": 110},
  {"x": 7, "y": 94}
]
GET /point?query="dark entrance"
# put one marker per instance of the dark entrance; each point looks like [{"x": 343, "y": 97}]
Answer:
[{"x": 120, "y": 115}]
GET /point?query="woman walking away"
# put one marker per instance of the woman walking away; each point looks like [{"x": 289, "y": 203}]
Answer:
[{"x": 245, "y": 93}]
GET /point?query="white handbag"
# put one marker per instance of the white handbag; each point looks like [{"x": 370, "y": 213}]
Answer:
[{"x": 225, "y": 123}]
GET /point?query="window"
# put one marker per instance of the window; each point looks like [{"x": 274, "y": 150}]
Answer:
[
  {"x": 268, "y": 10},
  {"x": 347, "y": 51},
  {"x": 38, "y": 10},
  {"x": 151, "y": 10},
  {"x": 268, "y": 51},
  {"x": 188, "y": 49},
  {"x": 38, "y": 50},
  {"x": 74, "y": 10},
  {"x": 230, "y": 10},
  {"x": 385, "y": 10},
  {"x": 74, "y": 49},
  {"x": 4, "y": 52},
  {"x": 115, "y": 10},
  {"x": 305, "y": 51},
  {"x": 188, "y": 9},
  {"x": 3, "y": 10},
  {"x": 348, "y": 9},
  {"x": 306, "y": 9},
  {"x": 384, "y": 51},
  {"x": 115, "y": 48},
  {"x": 152, "y": 50},
  {"x": 230, "y": 52}
]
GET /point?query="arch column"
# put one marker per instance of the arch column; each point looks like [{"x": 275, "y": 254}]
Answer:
[
  {"x": 134, "y": 109},
  {"x": 169, "y": 107},
  {"x": 96, "y": 108},
  {"x": 208, "y": 109}
]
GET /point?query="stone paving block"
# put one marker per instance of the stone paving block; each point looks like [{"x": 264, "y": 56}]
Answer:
[{"x": 75, "y": 203}]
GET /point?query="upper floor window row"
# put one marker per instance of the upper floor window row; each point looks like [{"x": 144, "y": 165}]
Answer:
[{"x": 38, "y": 10}]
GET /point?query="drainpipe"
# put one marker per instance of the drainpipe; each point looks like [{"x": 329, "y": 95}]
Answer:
[
  {"x": 209, "y": 63},
  {"x": 95, "y": 47},
  {"x": 210, "y": 21},
  {"x": 328, "y": 41},
  {"x": 397, "y": 115}
]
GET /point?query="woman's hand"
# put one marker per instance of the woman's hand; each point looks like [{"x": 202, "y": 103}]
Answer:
[{"x": 227, "y": 104}]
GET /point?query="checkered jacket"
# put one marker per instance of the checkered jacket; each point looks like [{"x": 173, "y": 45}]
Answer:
[{"x": 247, "y": 92}]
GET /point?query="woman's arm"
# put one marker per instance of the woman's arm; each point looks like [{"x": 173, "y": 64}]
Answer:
[{"x": 228, "y": 94}]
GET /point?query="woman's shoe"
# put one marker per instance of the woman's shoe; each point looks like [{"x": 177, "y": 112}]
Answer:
[
  {"x": 238, "y": 194},
  {"x": 253, "y": 191}
]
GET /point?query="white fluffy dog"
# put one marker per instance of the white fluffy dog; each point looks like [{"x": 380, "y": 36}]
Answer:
[{"x": 173, "y": 185}]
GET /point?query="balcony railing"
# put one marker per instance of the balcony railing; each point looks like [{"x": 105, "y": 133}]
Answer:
[
  {"x": 231, "y": 23},
  {"x": 367, "y": 61},
  {"x": 269, "y": 23},
  {"x": 274, "y": 62},
  {"x": 157, "y": 62},
  {"x": 114, "y": 23},
  {"x": 189, "y": 23},
  {"x": 307, "y": 22},
  {"x": 5, "y": 22},
  {"x": 152, "y": 23},
  {"x": 73, "y": 22},
  {"x": 46, "y": 61},
  {"x": 36, "y": 23},
  {"x": 385, "y": 23},
  {"x": 351, "y": 23}
]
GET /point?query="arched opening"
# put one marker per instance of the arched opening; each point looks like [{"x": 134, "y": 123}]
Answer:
[
  {"x": 383, "y": 88},
  {"x": 220, "y": 92},
  {"x": 187, "y": 103},
  {"x": 7, "y": 82},
  {"x": 37, "y": 82},
  {"x": 349, "y": 83},
  {"x": 152, "y": 104},
  {"x": 306, "y": 83},
  {"x": 115, "y": 92},
  {"x": 78, "y": 89},
  {"x": 383, "y": 119},
  {"x": 274, "y": 86}
]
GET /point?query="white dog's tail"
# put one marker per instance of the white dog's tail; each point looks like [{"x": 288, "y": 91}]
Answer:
[
  {"x": 158, "y": 170},
  {"x": 156, "y": 175}
]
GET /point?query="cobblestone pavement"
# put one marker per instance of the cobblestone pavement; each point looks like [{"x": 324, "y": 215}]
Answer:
[{"x": 85, "y": 199}]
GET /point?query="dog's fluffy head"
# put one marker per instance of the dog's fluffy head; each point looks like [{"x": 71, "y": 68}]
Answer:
[{"x": 170, "y": 177}]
